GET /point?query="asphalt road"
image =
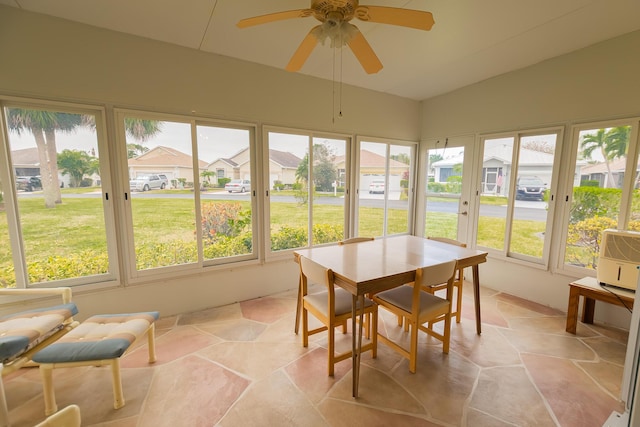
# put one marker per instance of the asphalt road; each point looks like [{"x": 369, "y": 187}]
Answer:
[{"x": 525, "y": 210}]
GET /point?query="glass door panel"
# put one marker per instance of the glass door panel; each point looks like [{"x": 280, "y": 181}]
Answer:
[{"x": 444, "y": 190}]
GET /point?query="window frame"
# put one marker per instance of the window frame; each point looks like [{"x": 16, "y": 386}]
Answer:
[
  {"x": 99, "y": 281},
  {"x": 632, "y": 159},
  {"x": 135, "y": 276},
  {"x": 414, "y": 147},
  {"x": 270, "y": 255},
  {"x": 505, "y": 253}
]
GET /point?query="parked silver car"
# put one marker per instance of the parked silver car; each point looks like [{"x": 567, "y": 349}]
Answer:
[
  {"x": 238, "y": 186},
  {"x": 149, "y": 182}
]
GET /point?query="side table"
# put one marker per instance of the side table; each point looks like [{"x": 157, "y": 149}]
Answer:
[{"x": 590, "y": 289}]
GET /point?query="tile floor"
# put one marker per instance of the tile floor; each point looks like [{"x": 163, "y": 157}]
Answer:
[{"x": 242, "y": 365}]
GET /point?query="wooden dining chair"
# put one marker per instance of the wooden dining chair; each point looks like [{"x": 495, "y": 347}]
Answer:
[
  {"x": 333, "y": 308},
  {"x": 457, "y": 282},
  {"x": 299, "y": 298},
  {"x": 418, "y": 307}
]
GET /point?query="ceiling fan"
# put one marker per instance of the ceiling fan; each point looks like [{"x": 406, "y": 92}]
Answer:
[{"x": 334, "y": 16}]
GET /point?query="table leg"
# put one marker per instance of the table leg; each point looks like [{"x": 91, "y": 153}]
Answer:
[
  {"x": 476, "y": 295},
  {"x": 572, "y": 309},
  {"x": 588, "y": 310},
  {"x": 357, "y": 301}
]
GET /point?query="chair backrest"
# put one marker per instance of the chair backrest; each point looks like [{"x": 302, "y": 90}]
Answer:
[
  {"x": 355, "y": 240},
  {"x": 314, "y": 272},
  {"x": 67, "y": 417},
  {"x": 436, "y": 274},
  {"x": 448, "y": 240}
]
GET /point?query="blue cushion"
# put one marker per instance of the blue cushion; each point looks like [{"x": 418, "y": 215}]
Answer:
[{"x": 82, "y": 351}]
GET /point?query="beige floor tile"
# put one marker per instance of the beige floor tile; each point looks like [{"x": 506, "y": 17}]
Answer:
[{"x": 243, "y": 365}]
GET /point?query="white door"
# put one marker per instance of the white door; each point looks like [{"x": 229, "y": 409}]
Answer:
[{"x": 446, "y": 187}]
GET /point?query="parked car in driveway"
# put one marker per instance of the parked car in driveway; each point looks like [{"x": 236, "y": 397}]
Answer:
[
  {"x": 28, "y": 183},
  {"x": 376, "y": 186},
  {"x": 238, "y": 186},
  {"x": 149, "y": 182},
  {"x": 530, "y": 187}
]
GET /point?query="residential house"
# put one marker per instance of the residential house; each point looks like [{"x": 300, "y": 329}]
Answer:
[
  {"x": 282, "y": 167},
  {"x": 165, "y": 160},
  {"x": 374, "y": 166}
]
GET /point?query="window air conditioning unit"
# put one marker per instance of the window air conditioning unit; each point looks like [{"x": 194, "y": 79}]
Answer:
[{"x": 619, "y": 258}]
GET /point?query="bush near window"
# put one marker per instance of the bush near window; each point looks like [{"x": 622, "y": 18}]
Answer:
[{"x": 589, "y": 202}]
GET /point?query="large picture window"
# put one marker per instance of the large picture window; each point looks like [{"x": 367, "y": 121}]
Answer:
[
  {"x": 183, "y": 212},
  {"x": 60, "y": 205},
  {"x": 604, "y": 189},
  {"x": 307, "y": 204},
  {"x": 385, "y": 188},
  {"x": 516, "y": 194}
]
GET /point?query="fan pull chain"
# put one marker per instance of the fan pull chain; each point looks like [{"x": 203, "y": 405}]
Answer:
[
  {"x": 333, "y": 87},
  {"x": 340, "y": 97}
]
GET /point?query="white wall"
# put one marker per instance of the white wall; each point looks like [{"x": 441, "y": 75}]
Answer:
[
  {"x": 596, "y": 83},
  {"x": 49, "y": 58}
]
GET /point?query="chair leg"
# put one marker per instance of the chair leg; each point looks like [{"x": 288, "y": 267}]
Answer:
[
  {"x": 447, "y": 333},
  {"x": 374, "y": 333},
  {"x": 413, "y": 353},
  {"x": 459, "y": 306},
  {"x": 50, "y": 406},
  {"x": 298, "y": 305},
  {"x": 400, "y": 320},
  {"x": 305, "y": 327},
  {"x": 151, "y": 340},
  {"x": 331, "y": 335},
  {"x": 118, "y": 397}
]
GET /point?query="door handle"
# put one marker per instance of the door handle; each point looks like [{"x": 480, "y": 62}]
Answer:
[{"x": 462, "y": 213}]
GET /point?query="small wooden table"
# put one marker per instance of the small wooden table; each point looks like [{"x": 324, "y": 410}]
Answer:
[{"x": 590, "y": 289}]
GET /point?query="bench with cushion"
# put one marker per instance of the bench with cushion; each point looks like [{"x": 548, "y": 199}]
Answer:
[
  {"x": 99, "y": 341},
  {"x": 24, "y": 333}
]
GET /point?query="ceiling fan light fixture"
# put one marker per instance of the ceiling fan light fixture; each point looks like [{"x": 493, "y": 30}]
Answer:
[{"x": 338, "y": 33}]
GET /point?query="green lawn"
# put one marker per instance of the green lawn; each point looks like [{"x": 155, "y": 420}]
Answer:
[{"x": 75, "y": 228}]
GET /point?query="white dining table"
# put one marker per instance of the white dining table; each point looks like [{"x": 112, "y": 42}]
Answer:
[{"x": 377, "y": 265}]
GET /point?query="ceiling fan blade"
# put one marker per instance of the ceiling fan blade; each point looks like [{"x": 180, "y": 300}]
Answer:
[
  {"x": 272, "y": 17},
  {"x": 364, "y": 53},
  {"x": 302, "y": 53},
  {"x": 417, "y": 19}
]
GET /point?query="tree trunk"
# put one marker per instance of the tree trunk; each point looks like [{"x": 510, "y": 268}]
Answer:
[
  {"x": 52, "y": 154},
  {"x": 45, "y": 172}
]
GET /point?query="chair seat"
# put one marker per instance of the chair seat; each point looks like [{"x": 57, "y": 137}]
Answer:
[
  {"x": 402, "y": 297},
  {"x": 343, "y": 302},
  {"x": 22, "y": 331}
]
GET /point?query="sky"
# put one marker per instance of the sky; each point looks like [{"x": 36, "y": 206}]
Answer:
[{"x": 213, "y": 142}]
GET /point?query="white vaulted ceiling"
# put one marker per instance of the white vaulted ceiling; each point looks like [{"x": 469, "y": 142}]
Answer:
[{"x": 472, "y": 40}]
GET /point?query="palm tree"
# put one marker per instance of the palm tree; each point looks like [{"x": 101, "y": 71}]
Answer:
[
  {"x": 612, "y": 144},
  {"x": 43, "y": 125},
  {"x": 141, "y": 129}
]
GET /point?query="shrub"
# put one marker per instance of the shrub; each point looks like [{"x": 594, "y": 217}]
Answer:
[
  {"x": 436, "y": 187},
  {"x": 590, "y": 202},
  {"x": 223, "y": 219},
  {"x": 223, "y": 181}
]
